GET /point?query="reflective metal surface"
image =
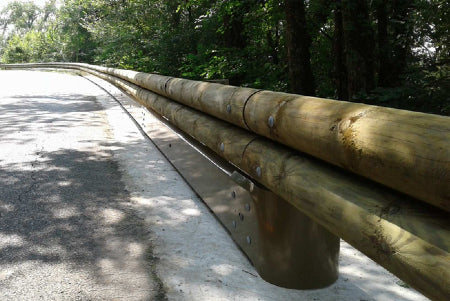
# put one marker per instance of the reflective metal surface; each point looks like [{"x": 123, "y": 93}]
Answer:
[{"x": 285, "y": 246}]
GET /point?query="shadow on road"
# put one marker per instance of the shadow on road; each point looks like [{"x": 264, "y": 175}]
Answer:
[{"x": 69, "y": 207}]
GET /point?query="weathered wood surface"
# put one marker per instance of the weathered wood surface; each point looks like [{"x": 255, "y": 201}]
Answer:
[
  {"x": 407, "y": 151},
  {"x": 407, "y": 237}
]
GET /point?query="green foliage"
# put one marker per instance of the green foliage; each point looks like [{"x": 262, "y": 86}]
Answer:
[
  {"x": 241, "y": 40},
  {"x": 24, "y": 49},
  {"x": 23, "y": 15},
  {"x": 423, "y": 90}
]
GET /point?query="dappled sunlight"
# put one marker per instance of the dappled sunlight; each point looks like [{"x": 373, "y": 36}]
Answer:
[
  {"x": 372, "y": 278},
  {"x": 63, "y": 183},
  {"x": 191, "y": 212},
  {"x": 12, "y": 240},
  {"x": 136, "y": 249},
  {"x": 62, "y": 203},
  {"x": 221, "y": 208},
  {"x": 187, "y": 239},
  {"x": 111, "y": 216},
  {"x": 171, "y": 210},
  {"x": 99, "y": 205},
  {"x": 65, "y": 212},
  {"x": 6, "y": 207},
  {"x": 223, "y": 269}
]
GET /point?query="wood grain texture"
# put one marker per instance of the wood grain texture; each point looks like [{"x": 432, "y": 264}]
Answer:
[
  {"x": 406, "y": 236},
  {"x": 392, "y": 229},
  {"x": 221, "y": 101},
  {"x": 407, "y": 151},
  {"x": 383, "y": 225}
]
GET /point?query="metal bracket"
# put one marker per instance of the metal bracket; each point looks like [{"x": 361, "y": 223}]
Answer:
[{"x": 286, "y": 247}]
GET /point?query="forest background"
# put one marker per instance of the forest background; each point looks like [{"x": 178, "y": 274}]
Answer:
[{"x": 389, "y": 53}]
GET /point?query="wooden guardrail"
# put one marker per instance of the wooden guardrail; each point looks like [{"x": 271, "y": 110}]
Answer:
[{"x": 407, "y": 152}]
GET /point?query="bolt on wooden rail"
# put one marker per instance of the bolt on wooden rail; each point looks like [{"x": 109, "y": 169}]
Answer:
[{"x": 262, "y": 132}]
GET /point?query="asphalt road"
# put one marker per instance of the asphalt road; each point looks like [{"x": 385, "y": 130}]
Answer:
[
  {"x": 66, "y": 229},
  {"x": 90, "y": 210}
]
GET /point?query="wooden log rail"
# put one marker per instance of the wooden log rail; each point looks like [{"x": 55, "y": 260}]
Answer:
[{"x": 406, "y": 151}]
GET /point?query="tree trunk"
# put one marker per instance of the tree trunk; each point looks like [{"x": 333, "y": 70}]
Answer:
[
  {"x": 298, "y": 42},
  {"x": 235, "y": 39},
  {"x": 384, "y": 49},
  {"x": 273, "y": 43},
  {"x": 234, "y": 27},
  {"x": 359, "y": 47},
  {"x": 174, "y": 13},
  {"x": 400, "y": 36},
  {"x": 340, "y": 69}
]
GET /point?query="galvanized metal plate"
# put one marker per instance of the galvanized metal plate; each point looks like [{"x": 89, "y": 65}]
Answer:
[{"x": 285, "y": 246}]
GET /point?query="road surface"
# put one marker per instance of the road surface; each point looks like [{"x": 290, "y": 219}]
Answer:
[{"x": 90, "y": 210}]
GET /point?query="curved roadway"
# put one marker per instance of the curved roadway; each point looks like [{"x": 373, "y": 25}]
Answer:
[{"x": 90, "y": 210}]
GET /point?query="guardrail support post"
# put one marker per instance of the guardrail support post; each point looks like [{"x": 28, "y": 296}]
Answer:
[{"x": 286, "y": 247}]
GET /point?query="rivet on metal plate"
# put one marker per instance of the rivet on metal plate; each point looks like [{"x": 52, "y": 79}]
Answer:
[
  {"x": 258, "y": 171},
  {"x": 249, "y": 240},
  {"x": 234, "y": 224},
  {"x": 247, "y": 207},
  {"x": 229, "y": 108},
  {"x": 270, "y": 121},
  {"x": 222, "y": 147},
  {"x": 241, "y": 216}
]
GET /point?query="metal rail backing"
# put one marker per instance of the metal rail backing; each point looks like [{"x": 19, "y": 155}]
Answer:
[
  {"x": 406, "y": 236},
  {"x": 286, "y": 247}
]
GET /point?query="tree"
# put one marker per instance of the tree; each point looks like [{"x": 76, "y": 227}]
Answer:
[
  {"x": 22, "y": 16},
  {"x": 19, "y": 40},
  {"x": 394, "y": 40},
  {"x": 392, "y": 53},
  {"x": 298, "y": 42},
  {"x": 384, "y": 50},
  {"x": 359, "y": 47},
  {"x": 340, "y": 66}
]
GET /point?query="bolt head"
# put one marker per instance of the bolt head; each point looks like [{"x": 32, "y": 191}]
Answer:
[
  {"x": 222, "y": 147},
  {"x": 229, "y": 108},
  {"x": 270, "y": 121},
  {"x": 258, "y": 171},
  {"x": 249, "y": 240}
]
